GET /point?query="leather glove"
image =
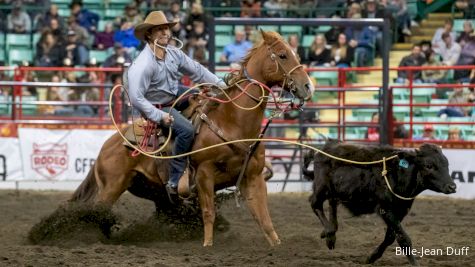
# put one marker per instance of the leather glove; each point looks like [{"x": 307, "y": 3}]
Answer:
[{"x": 222, "y": 85}]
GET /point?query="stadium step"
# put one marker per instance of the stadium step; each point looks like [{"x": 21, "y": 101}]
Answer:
[
  {"x": 436, "y": 23},
  {"x": 437, "y": 16},
  {"x": 402, "y": 47},
  {"x": 418, "y": 38}
]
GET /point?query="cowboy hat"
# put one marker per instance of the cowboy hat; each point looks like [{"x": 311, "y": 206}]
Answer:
[{"x": 155, "y": 18}]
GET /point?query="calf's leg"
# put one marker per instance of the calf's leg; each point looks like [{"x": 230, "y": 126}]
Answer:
[
  {"x": 378, "y": 252},
  {"x": 316, "y": 201},
  {"x": 402, "y": 237}
]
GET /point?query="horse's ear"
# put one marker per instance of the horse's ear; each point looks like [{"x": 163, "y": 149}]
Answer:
[{"x": 268, "y": 39}]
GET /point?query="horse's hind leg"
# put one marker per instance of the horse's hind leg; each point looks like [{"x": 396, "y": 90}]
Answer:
[
  {"x": 111, "y": 190},
  {"x": 255, "y": 192}
]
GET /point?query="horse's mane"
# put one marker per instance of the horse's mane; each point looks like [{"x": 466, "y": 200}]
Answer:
[{"x": 235, "y": 76}]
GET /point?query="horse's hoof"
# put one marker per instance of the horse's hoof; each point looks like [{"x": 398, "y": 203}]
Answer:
[{"x": 208, "y": 244}]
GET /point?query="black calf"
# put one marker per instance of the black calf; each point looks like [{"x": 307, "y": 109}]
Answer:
[{"x": 363, "y": 190}]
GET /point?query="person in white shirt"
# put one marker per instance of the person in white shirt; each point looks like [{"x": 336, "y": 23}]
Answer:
[{"x": 448, "y": 50}]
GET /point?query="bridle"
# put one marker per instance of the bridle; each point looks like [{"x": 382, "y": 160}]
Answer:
[{"x": 288, "y": 80}]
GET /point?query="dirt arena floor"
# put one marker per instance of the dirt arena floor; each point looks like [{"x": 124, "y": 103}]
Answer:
[{"x": 434, "y": 223}]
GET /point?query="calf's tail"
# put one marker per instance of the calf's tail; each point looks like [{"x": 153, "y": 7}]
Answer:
[{"x": 308, "y": 157}]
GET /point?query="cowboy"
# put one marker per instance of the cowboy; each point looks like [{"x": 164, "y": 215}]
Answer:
[{"x": 153, "y": 81}]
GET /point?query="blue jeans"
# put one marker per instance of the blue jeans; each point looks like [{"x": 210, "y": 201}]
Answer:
[
  {"x": 184, "y": 134},
  {"x": 451, "y": 112}
]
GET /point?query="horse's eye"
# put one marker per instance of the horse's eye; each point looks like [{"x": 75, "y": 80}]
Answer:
[{"x": 283, "y": 56}]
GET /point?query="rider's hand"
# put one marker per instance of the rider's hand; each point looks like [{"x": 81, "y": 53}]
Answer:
[
  {"x": 167, "y": 120},
  {"x": 222, "y": 85}
]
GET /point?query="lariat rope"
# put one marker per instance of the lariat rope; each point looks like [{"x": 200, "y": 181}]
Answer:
[{"x": 152, "y": 154}]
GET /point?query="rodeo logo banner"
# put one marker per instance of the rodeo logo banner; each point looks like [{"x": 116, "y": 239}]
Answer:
[
  {"x": 57, "y": 155},
  {"x": 49, "y": 160}
]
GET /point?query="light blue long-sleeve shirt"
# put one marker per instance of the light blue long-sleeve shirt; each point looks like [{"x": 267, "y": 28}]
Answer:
[{"x": 154, "y": 81}]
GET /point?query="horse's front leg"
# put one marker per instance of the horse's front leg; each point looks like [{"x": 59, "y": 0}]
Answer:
[
  {"x": 254, "y": 190},
  {"x": 205, "y": 185}
]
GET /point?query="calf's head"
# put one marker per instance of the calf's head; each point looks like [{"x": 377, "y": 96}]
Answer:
[{"x": 434, "y": 169}]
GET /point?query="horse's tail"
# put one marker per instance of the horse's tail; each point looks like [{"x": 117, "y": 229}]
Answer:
[{"x": 88, "y": 188}]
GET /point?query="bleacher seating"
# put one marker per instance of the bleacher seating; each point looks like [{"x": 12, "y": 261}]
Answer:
[
  {"x": 18, "y": 56},
  {"x": 99, "y": 55}
]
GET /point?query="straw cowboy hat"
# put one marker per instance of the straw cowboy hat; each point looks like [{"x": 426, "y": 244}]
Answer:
[{"x": 155, "y": 18}]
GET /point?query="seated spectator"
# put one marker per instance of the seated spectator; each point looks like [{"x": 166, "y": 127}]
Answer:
[
  {"x": 399, "y": 130},
  {"x": 319, "y": 54},
  {"x": 85, "y": 18},
  {"x": 342, "y": 53},
  {"x": 195, "y": 48},
  {"x": 428, "y": 134},
  {"x": 197, "y": 43},
  {"x": 125, "y": 36},
  {"x": 299, "y": 50},
  {"x": 430, "y": 75},
  {"x": 454, "y": 134},
  {"x": 179, "y": 32},
  {"x": 174, "y": 13},
  {"x": 448, "y": 28},
  {"x": 365, "y": 46},
  {"x": 29, "y": 76},
  {"x": 196, "y": 14},
  {"x": 412, "y": 60},
  {"x": 426, "y": 47},
  {"x": 118, "y": 58},
  {"x": 275, "y": 9},
  {"x": 81, "y": 33},
  {"x": 250, "y": 8},
  {"x": 332, "y": 34},
  {"x": 56, "y": 28},
  {"x": 44, "y": 20},
  {"x": 49, "y": 52},
  {"x": 354, "y": 11},
  {"x": 457, "y": 97},
  {"x": 467, "y": 34},
  {"x": 104, "y": 40},
  {"x": 76, "y": 51},
  {"x": 302, "y": 8},
  {"x": 448, "y": 50},
  {"x": 467, "y": 57},
  {"x": 56, "y": 93},
  {"x": 235, "y": 51},
  {"x": 466, "y": 6},
  {"x": 18, "y": 21},
  {"x": 199, "y": 33},
  {"x": 400, "y": 12},
  {"x": 132, "y": 14},
  {"x": 373, "y": 132},
  {"x": 372, "y": 10}
]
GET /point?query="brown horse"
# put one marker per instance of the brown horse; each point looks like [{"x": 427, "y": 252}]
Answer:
[{"x": 272, "y": 62}]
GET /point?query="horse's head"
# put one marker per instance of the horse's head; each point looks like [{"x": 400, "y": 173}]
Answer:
[{"x": 280, "y": 65}]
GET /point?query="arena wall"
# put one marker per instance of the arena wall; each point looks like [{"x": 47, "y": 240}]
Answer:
[{"x": 46, "y": 159}]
